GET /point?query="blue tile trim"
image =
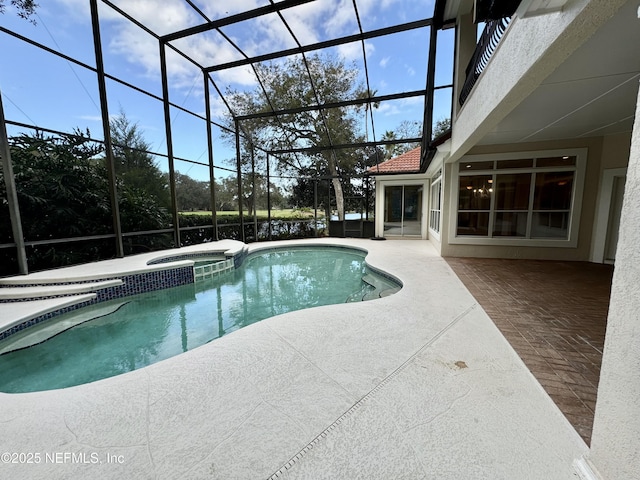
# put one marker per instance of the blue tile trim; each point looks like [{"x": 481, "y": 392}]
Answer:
[
  {"x": 41, "y": 318},
  {"x": 186, "y": 256},
  {"x": 132, "y": 285}
]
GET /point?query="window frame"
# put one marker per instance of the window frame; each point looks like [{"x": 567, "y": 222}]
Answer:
[
  {"x": 435, "y": 192},
  {"x": 574, "y": 212}
]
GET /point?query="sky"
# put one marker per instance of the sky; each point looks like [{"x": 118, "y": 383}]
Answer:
[{"x": 41, "y": 89}]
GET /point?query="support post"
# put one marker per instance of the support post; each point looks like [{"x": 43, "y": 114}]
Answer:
[
  {"x": 253, "y": 194},
  {"x": 239, "y": 172},
  {"x": 12, "y": 195},
  {"x": 212, "y": 176},
  {"x": 427, "y": 124},
  {"x": 269, "y": 198},
  {"x": 315, "y": 207},
  {"x": 167, "y": 125},
  {"x": 106, "y": 130},
  {"x": 366, "y": 197}
]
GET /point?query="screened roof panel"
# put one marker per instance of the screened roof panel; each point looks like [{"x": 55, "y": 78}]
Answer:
[
  {"x": 391, "y": 68},
  {"x": 209, "y": 48},
  {"x": 259, "y": 36},
  {"x": 174, "y": 14},
  {"x": 375, "y": 14},
  {"x": 232, "y": 41},
  {"x": 216, "y": 10},
  {"x": 321, "y": 20}
]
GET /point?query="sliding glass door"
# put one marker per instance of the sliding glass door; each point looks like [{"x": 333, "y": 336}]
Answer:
[{"x": 403, "y": 210}]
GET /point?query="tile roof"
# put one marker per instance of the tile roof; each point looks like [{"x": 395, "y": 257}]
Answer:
[{"x": 408, "y": 162}]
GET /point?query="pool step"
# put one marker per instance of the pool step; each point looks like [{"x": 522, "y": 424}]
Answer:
[
  {"x": 210, "y": 270},
  {"x": 381, "y": 288},
  {"x": 44, "y": 331},
  {"x": 31, "y": 292}
]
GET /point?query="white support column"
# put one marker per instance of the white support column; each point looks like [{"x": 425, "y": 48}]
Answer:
[{"x": 615, "y": 442}]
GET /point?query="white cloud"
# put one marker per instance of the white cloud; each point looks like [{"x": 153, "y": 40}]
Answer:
[
  {"x": 342, "y": 19},
  {"x": 397, "y": 107},
  {"x": 91, "y": 118},
  {"x": 353, "y": 50},
  {"x": 218, "y": 9},
  {"x": 311, "y": 23}
]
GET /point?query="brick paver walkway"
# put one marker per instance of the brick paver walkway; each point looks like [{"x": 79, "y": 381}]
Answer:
[{"x": 554, "y": 315}]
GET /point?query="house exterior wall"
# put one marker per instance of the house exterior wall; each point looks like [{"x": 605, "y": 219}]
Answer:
[{"x": 615, "y": 442}]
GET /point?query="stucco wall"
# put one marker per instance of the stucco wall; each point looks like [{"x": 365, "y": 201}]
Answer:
[
  {"x": 530, "y": 50},
  {"x": 615, "y": 150},
  {"x": 615, "y": 443}
]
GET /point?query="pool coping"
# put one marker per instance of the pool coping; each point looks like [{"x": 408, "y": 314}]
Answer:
[
  {"x": 415, "y": 385},
  {"x": 103, "y": 280}
]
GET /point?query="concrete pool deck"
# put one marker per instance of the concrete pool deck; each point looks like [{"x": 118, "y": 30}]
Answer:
[{"x": 420, "y": 384}]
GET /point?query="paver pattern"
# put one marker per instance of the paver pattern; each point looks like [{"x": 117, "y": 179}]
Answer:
[{"x": 554, "y": 314}]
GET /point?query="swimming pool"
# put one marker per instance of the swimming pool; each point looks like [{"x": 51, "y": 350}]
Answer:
[{"x": 121, "y": 335}]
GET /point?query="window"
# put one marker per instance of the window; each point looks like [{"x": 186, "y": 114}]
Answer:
[
  {"x": 515, "y": 198},
  {"x": 435, "y": 209}
]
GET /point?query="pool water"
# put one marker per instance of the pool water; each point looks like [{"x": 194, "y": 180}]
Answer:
[{"x": 115, "y": 337}]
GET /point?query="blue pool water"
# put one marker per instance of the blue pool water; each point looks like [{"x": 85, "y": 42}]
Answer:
[{"x": 114, "y": 337}]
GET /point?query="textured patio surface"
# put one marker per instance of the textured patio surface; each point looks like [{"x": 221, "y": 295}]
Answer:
[
  {"x": 416, "y": 385},
  {"x": 554, "y": 315}
]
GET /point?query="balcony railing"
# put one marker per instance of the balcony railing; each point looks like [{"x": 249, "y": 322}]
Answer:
[{"x": 487, "y": 44}]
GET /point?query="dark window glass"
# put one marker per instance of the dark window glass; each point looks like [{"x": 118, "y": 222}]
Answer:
[
  {"x": 475, "y": 192},
  {"x": 510, "y": 224},
  {"x": 553, "y": 191},
  {"x": 471, "y": 166},
  {"x": 393, "y": 207},
  {"x": 555, "y": 161},
  {"x": 512, "y": 191},
  {"x": 519, "y": 163},
  {"x": 473, "y": 223},
  {"x": 550, "y": 225}
]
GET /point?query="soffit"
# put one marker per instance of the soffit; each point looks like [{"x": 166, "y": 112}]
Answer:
[{"x": 593, "y": 93}]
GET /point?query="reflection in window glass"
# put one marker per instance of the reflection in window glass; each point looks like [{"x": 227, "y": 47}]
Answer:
[
  {"x": 510, "y": 224},
  {"x": 473, "y": 166},
  {"x": 475, "y": 192},
  {"x": 553, "y": 191},
  {"x": 473, "y": 223},
  {"x": 550, "y": 225},
  {"x": 512, "y": 191},
  {"x": 519, "y": 163},
  {"x": 556, "y": 161}
]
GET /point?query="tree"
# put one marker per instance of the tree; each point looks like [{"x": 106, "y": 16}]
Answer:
[
  {"x": 406, "y": 129},
  {"x": 192, "y": 194},
  {"x": 442, "y": 126},
  {"x": 25, "y": 8},
  {"x": 135, "y": 167},
  {"x": 287, "y": 85},
  {"x": 63, "y": 192}
]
